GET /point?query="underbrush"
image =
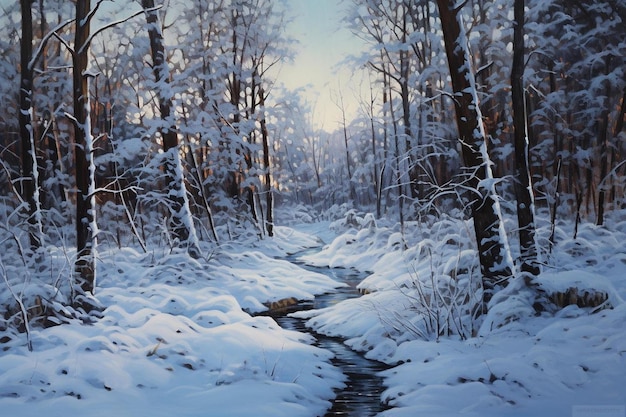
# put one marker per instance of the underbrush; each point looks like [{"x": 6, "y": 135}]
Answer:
[
  {"x": 425, "y": 282},
  {"x": 446, "y": 302}
]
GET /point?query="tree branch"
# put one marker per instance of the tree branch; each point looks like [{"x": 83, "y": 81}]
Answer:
[
  {"x": 45, "y": 40},
  {"x": 115, "y": 23}
]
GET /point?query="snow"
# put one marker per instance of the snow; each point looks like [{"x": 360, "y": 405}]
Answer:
[
  {"x": 174, "y": 340},
  {"x": 92, "y": 243},
  {"x": 177, "y": 336},
  {"x": 519, "y": 363},
  {"x": 35, "y": 172}
]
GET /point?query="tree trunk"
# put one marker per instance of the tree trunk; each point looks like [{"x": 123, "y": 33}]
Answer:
[
  {"x": 200, "y": 178},
  {"x": 411, "y": 159},
  {"x": 29, "y": 178},
  {"x": 269, "y": 197},
  {"x": 345, "y": 142},
  {"x": 493, "y": 249},
  {"x": 181, "y": 221},
  {"x": 83, "y": 155},
  {"x": 604, "y": 148},
  {"x": 523, "y": 183},
  {"x": 399, "y": 158},
  {"x": 55, "y": 193},
  {"x": 375, "y": 176},
  {"x": 619, "y": 126}
]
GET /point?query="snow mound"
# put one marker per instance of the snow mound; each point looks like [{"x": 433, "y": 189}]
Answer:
[{"x": 581, "y": 288}]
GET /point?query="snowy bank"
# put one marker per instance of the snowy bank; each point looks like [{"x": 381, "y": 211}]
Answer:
[
  {"x": 414, "y": 316},
  {"x": 176, "y": 338}
]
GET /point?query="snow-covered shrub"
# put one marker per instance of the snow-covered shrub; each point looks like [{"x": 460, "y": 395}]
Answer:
[
  {"x": 295, "y": 214},
  {"x": 580, "y": 288},
  {"x": 443, "y": 296},
  {"x": 33, "y": 296},
  {"x": 353, "y": 220},
  {"x": 234, "y": 220},
  {"x": 423, "y": 283}
]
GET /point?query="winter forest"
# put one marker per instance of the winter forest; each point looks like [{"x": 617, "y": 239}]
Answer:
[{"x": 179, "y": 237}]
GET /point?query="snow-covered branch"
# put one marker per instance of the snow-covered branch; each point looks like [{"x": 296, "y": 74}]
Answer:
[
  {"x": 46, "y": 38},
  {"x": 115, "y": 23}
]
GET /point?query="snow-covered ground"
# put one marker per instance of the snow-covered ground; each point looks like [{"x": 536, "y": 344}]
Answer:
[
  {"x": 571, "y": 363},
  {"x": 174, "y": 340},
  {"x": 176, "y": 337}
]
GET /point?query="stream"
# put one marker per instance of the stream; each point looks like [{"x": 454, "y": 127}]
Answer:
[{"x": 361, "y": 395}]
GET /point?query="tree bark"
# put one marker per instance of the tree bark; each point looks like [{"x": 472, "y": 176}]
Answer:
[
  {"x": 85, "y": 204},
  {"x": 269, "y": 196},
  {"x": 411, "y": 147},
  {"x": 28, "y": 150},
  {"x": 619, "y": 126},
  {"x": 523, "y": 183},
  {"x": 181, "y": 224},
  {"x": 604, "y": 150},
  {"x": 344, "y": 124},
  {"x": 493, "y": 250},
  {"x": 375, "y": 176}
]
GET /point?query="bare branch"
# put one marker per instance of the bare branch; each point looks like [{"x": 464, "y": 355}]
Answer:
[
  {"x": 64, "y": 43},
  {"x": 115, "y": 23},
  {"x": 45, "y": 40},
  {"x": 21, "y": 305}
]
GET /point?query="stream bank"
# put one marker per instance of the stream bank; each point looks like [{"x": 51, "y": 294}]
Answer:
[{"x": 363, "y": 387}]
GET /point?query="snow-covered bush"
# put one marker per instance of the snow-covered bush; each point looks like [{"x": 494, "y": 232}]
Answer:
[
  {"x": 351, "y": 219},
  {"x": 295, "y": 214},
  {"x": 447, "y": 302},
  {"x": 441, "y": 292},
  {"x": 423, "y": 283}
]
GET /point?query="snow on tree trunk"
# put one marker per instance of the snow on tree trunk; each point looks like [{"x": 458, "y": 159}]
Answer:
[
  {"x": 181, "y": 220},
  {"x": 85, "y": 170},
  {"x": 523, "y": 184},
  {"x": 493, "y": 248},
  {"x": 36, "y": 214},
  {"x": 29, "y": 180}
]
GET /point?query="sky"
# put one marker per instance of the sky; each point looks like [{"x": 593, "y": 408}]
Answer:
[{"x": 324, "y": 43}]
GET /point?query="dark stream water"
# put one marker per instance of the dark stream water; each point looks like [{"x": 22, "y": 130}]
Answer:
[{"x": 361, "y": 396}]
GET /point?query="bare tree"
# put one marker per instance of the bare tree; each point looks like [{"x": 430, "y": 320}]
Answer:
[
  {"x": 344, "y": 125},
  {"x": 85, "y": 169},
  {"x": 83, "y": 153},
  {"x": 269, "y": 196},
  {"x": 29, "y": 180},
  {"x": 605, "y": 144},
  {"x": 493, "y": 249},
  {"x": 523, "y": 183},
  {"x": 181, "y": 222}
]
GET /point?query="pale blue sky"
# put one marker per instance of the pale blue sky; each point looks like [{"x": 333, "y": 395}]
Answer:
[{"x": 324, "y": 43}]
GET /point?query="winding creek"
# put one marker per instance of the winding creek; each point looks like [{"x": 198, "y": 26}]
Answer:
[{"x": 361, "y": 395}]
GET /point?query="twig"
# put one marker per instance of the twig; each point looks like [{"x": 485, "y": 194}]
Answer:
[{"x": 21, "y": 305}]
